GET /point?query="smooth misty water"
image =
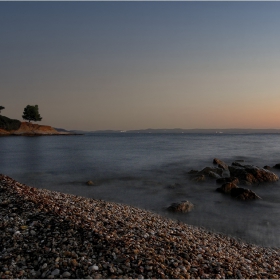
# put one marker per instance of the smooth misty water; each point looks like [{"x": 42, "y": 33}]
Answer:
[{"x": 142, "y": 170}]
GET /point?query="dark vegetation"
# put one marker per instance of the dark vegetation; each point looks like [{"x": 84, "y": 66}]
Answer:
[
  {"x": 31, "y": 113},
  {"x": 9, "y": 124}
]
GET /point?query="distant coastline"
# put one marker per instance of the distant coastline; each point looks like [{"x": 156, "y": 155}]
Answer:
[{"x": 192, "y": 131}]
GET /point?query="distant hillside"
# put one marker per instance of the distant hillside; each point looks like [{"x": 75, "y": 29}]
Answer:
[
  {"x": 190, "y": 131},
  {"x": 9, "y": 124}
]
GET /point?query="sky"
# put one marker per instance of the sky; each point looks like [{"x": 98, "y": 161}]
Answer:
[{"x": 137, "y": 65}]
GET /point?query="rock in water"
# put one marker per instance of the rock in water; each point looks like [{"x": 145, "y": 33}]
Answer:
[
  {"x": 89, "y": 183},
  {"x": 214, "y": 175},
  {"x": 183, "y": 207},
  {"x": 243, "y": 194},
  {"x": 227, "y": 180},
  {"x": 208, "y": 170},
  {"x": 227, "y": 188},
  {"x": 220, "y": 163},
  {"x": 198, "y": 178},
  {"x": 252, "y": 174},
  {"x": 277, "y": 165}
]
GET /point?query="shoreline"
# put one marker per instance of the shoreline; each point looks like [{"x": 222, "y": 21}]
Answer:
[
  {"x": 48, "y": 234},
  {"x": 38, "y": 134}
]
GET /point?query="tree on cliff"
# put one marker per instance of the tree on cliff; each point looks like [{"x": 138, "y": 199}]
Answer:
[
  {"x": 1, "y": 108},
  {"x": 31, "y": 113}
]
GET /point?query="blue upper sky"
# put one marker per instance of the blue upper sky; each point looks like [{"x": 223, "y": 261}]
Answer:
[{"x": 132, "y": 65}]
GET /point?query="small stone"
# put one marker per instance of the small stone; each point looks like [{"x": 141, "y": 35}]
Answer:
[
  {"x": 55, "y": 272},
  {"x": 66, "y": 274},
  {"x": 74, "y": 262},
  {"x": 33, "y": 232}
]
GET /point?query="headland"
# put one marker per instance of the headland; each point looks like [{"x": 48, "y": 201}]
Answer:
[{"x": 9, "y": 127}]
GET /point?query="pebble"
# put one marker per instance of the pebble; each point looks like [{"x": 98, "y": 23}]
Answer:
[
  {"x": 56, "y": 272},
  {"x": 57, "y": 235},
  {"x": 66, "y": 274}
]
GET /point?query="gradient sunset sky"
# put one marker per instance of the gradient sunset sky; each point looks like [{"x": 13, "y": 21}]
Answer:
[{"x": 137, "y": 65}]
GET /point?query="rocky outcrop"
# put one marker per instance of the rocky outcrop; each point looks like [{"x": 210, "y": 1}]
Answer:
[
  {"x": 183, "y": 207},
  {"x": 252, "y": 174},
  {"x": 240, "y": 173},
  {"x": 231, "y": 176},
  {"x": 210, "y": 172},
  {"x": 27, "y": 128}
]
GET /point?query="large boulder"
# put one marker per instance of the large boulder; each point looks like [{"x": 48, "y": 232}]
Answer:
[
  {"x": 243, "y": 194},
  {"x": 236, "y": 192},
  {"x": 252, "y": 174},
  {"x": 183, "y": 207}
]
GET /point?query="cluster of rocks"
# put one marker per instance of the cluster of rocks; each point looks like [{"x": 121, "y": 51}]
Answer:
[
  {"x": 230, "y": 176},
  {"x": 47, "y": 234}
]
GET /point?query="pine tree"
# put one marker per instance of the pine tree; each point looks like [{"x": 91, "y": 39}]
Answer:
[{"x": 31, "y": 113}]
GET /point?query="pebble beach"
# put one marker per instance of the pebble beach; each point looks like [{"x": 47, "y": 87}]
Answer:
[{"x": 48, "y": 234}]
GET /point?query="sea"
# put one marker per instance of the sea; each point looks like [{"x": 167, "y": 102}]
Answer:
[{"x": 150, "y": 171}]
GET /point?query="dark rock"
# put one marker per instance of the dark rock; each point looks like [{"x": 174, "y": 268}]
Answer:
[
  {"x": 267, "y": 167},
  {"x": 245, "y": 183},
  {"x": 243, "y": 194},
  {"x": 252, "y": 174},
  {"x": 227, "y": 188},
  {"x": 214, "y": 175},
  {"x": 277, "y": 165},
  {"x": 207, "y": 170},
  {"x": 220, "y": 163},
  {"x": 89, "y": 183},
  {"x": 198, "y": 178},
  {"x": 261, "y": 174},
  {"x": 183, "y": 207},
  {"x": 228, "y": 180}
]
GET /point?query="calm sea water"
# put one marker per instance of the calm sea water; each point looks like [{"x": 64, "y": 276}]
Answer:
[{"x": 149, "y": 171}]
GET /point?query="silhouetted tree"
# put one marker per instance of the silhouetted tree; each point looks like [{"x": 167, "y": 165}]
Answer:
[
  {"x": 31, "y": 113},
  {"x": 1, "y": 108}
]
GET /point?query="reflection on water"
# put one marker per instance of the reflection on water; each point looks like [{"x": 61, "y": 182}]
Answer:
[{"x": 149, "y": 171}]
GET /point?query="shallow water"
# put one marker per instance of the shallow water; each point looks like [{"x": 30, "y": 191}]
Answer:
[{"x": 149, "y": 171}]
